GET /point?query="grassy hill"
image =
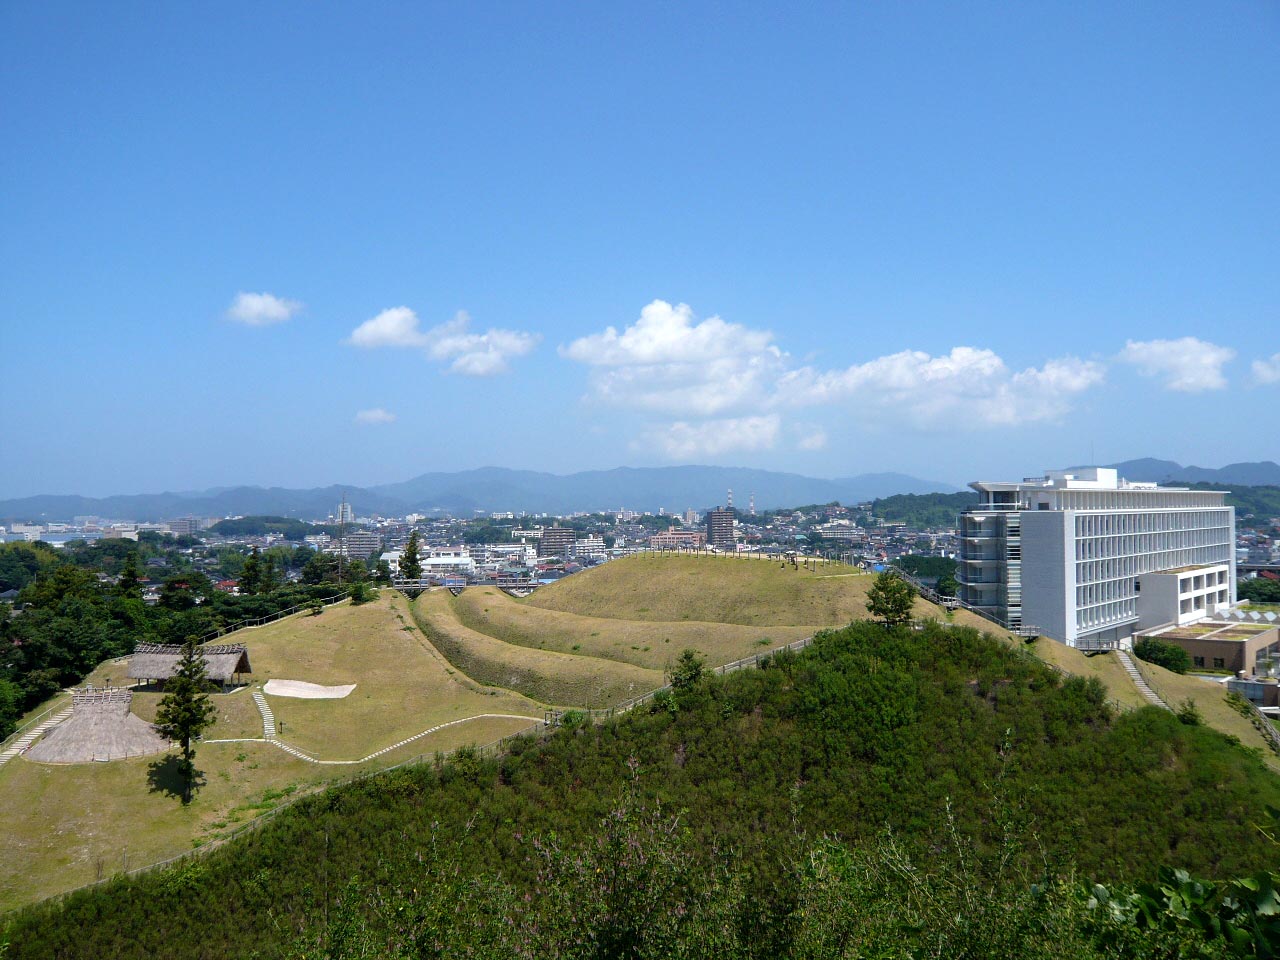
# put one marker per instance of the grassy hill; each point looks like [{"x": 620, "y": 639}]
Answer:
[
  {"x": 79, "y": 822},
  {"x": 755, "y": 593},
  {"x": 442, "y": 659},
  {"x": 706, "y": 826}
]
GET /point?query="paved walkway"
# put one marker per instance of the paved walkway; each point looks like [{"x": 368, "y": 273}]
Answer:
[
  {"x": 1139, "y": 681},
  {"x": 34, "y": 734}
]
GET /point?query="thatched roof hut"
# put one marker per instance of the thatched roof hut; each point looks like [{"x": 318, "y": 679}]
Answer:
[
  {"x": 100, "y": 728},
  {"x": 222, "y": 664}
]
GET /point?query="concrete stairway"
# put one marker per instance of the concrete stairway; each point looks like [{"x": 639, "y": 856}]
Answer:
[
  {"x": 1143, "y": 687},
  {"x": 268, "y": 718},
  {"x": 32, "y": 735}
]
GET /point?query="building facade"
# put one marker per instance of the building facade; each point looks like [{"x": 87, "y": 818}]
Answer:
[
  {"x": 557, "y": 542},
  {"x": 720, "y": 530},
  {"x": 1068, "y": 555}
]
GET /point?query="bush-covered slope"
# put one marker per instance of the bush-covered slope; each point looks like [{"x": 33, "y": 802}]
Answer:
[{"x": 949, "y": 740}]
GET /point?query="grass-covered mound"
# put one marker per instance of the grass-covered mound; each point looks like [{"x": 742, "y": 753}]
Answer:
[
  {"x": 758, "y": 593},
  {"x": 954, "y": 771},
  {"x": 547, "y": 676}
]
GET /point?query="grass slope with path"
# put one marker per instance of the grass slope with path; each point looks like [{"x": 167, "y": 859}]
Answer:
[
  {"x": 403, "y": 685},
  {"x": 69, "y": 824}
]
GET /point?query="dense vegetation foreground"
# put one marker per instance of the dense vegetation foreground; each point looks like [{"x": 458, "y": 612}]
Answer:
[{"x": 886, "y": 793}]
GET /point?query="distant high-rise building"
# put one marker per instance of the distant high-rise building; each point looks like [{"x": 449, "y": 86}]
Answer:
[
  {"x": 556, "y": 542},
  {"x": 1086, "y": 558},
  {"x": 720, "y": 528},
  {"x": 345, "y": 513}
]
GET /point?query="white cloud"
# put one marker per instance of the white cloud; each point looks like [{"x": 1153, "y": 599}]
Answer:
[
  {"x": 967, "y": 387},
  {"x": 713, "y": 375},
  {"x": 683, "y": 440},
  {"x": 397, "y": 327},
  {"x": 1267, "y": 371},
  {"x": 1189, "y": 365},
  {"x": 261, "y": 309},
  {"x": 665, "y": 362},
  {"x": 474, "y": 354},
  {"x": 375, "y": 416},
  {"x": 666, "y": 334}
]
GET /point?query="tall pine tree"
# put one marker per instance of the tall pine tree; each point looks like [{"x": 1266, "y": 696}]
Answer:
[
  {"x": 410, "y": 564},
  {"x": 185, "y": 711},
  {"x": 129, "y": 586},
  {"x": 251, "y": 575}
]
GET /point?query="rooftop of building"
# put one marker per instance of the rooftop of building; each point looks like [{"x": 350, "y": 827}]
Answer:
[{"x": 1080, "y": 478}]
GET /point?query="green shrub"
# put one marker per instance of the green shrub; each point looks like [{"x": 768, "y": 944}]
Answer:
[{"x": 1163, "y": 655}]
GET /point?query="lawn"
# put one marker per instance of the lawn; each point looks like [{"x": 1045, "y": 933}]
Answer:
[
  {"x": 1211, "y": 700},
  {"x": 1106, "y": 667},
  {"x": 403, "y": 685},
  {"x": 755, "y": 593},
  {"x": 644, "y": 643},
  {"x": 547, "y": 676},
  {"x": 70, "y": 824}
]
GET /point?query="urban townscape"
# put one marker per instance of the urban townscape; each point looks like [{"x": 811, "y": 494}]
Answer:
[{"x": 640, "y": 482}]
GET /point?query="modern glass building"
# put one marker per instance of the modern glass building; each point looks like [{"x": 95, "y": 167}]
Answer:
[{"x": 1068, "y": 555}]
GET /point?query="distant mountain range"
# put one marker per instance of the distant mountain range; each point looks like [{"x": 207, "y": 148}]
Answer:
[
  {"x": 490, "y": 489},
  {"x": 1264, "y": 473},
  {"x": 498, "y": 488}
]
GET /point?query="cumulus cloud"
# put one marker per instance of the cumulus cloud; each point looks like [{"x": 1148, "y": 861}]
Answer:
[
  {"x": 1189, "y": 365},
  {"x": 727, "y": 387},
  {"x": 375, "y": 416},
  {"x": 666, "y": 362},
  {"x": 667, "y": 334},
  {"x": 397, "y": 327},
  {"x": 966, "y": 387},
  {"x": 474, "y": 354},
  {"x": 1267, "y": 371},
  {"x": 682, "y": 440},
  {"x": 261, "y": 309}
]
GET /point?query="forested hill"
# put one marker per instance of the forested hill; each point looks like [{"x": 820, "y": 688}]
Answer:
[
  {"x": 883, "y": 793},
  {"x": 920, "y": 510}
]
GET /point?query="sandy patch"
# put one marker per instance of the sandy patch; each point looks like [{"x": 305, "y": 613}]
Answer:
[{"x": 306, "y": 691}]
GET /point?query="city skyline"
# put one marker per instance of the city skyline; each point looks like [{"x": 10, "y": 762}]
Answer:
[{"x": 296, "y": 247}]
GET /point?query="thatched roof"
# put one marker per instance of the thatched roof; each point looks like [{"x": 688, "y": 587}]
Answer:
[
  {"x": 155, "y": 661},
  {"x": 100, "y": 728}
]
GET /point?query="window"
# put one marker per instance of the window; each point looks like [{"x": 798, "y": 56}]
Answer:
[
  {"x": 1219, "y": 663},
  {"x": 1198, "y": 661}
]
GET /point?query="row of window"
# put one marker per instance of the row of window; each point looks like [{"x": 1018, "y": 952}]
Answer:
[
  {"x": 1133, "y": 499},
  {"x": 1103, "y": 614},
  {"x": 1107, "y": 524},
  {"x": 1134, "y": 565}
]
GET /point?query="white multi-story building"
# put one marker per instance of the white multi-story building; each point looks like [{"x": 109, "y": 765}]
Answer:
[{"x": 1087, "y": 558}]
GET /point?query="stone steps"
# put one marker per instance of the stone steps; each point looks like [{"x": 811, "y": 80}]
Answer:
[
  {"x": 1139, "y": 681},
  {"x": 268, "y": 718},
  {"x": 32, "y": 735}
]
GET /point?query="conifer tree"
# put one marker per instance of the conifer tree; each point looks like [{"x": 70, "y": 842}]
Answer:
[
  {"x": 130, "y": 587},
  {"x": 410, "y": 564},
  {"x": 251, "y": 575},
  {"x": 185, "y": 712},
  {"x": 890, "y": 599}
]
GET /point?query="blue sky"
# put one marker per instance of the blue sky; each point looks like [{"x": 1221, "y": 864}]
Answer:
[{"x": 290, "y": 244}]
